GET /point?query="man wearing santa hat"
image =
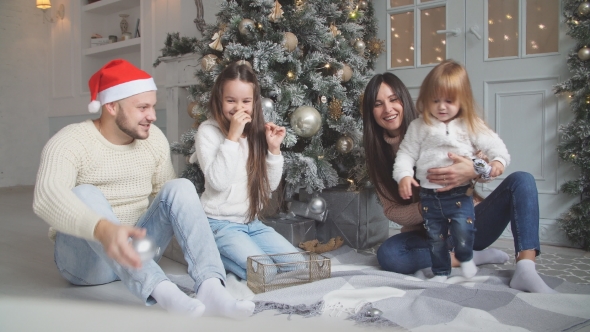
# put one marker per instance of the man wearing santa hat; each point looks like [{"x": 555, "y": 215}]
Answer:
[{"x": 93, "y": 188}]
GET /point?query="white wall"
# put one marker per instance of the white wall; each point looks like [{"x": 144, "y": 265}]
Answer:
[{"x": 24, "y": 93}]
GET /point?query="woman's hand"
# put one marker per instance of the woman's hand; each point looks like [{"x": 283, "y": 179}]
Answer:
[
  {"x": 405, "y": 187},
  {"x": 237, "y": 124},
  {"x": 452, "y": 176},
  {"x": 274, "y": 137}
]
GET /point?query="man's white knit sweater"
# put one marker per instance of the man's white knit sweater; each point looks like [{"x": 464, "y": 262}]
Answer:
[
  {"x": 224, "y": 164},
  {"x": 126, "y": 174},
  {"x": 427, "y": 146}
]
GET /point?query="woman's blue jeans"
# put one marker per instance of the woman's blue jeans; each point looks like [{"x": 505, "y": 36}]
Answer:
[
  {"x": 514, "y": 201},
  {"x": 443, "y": 211},
  {"x": 176, "y": 210},
  {"x": 236, "y": 242}
]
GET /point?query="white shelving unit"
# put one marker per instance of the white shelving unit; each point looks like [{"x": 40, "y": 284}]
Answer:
[{"x": 102, "y": 17}]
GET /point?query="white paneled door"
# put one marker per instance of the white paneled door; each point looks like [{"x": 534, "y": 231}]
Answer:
[{"x": 514, "y": 52}]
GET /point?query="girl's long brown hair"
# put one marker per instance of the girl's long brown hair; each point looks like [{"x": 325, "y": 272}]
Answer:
[
  {"x": 379, "y": 154},
  {"x": 258, "y": 185}
]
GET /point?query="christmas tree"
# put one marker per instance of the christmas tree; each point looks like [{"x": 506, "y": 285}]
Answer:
[
  {"x": 313, "y": 59},
  {"x": 575, "y": 145}
]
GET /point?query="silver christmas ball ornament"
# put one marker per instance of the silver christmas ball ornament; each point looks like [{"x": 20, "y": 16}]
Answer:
[
  {"x": 317, "y": 205},
  {"x": 584, "y": 53},
  {"x": 246, "y": 27},
  {"x": 306, "y": 121},
  {"x": 267, "y": 105},
  {"x": 344, "y": 144},
  {"x": 374, "y": 312},
  {"x": 146, "y": 248},
  {"x": 359, "y": 46},
  {"x": 584, "y": 9}
]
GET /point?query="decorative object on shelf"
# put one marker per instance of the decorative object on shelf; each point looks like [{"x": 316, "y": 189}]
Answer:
[
  {"x": 136, "y": 33},
  {"x": 359, "y": 46},
  {"x": 199, "y": 20},
  {"x": 584, "y": 9},
  {"x": 246, "y": 27},
  {"x": 345, "y": 73},
  {"x": 344, "y": 144},
  {"x": 268, "y": 106},
  {"x": 98, "y": 40},
  {"x": 46, "y": 4},
  {"x": 375, "y": 46},
  {"x": 306, "y": 121},
  {"x": 113, "y": 38},
  {"x": 290, "y": 41},
  {"x": 317, "y": 205},
  {"x": 584, "y": 53},
  {"x": 124, "y": 25},
  {"x": 209, "y": 61},
  {"x": 335, "y": 109},
  {"x": 277, "y": 12},
  {"x": 126, "y": 36},
  {"x": 216, "y": 44}
]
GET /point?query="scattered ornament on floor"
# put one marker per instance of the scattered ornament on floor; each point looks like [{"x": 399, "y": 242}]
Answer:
[
  {"x": 319, "y": 248},
  {"x": 306, "y": 121},
  {"x": 584, "y": 53},
  {"x": 317, "y": 205},
  {"x": 277, "y": 13},
  {"x": 335, "y": 109},
  {"x": 334, "y": 30},
  {"x": 344, "y": 144},
  {"x": 376, "y": 46},
  {"x": 146, "y": 248},
  {"x": 246, "y": 28},
  {"x": 584, "y": 9},
  {"x": 289, "y": 41},
  {"x": 209, "y": 61},
  {"x": 216, "y": 44},
  {"x": 345, "y": 73},
  {"x": 374, "y": 312}
]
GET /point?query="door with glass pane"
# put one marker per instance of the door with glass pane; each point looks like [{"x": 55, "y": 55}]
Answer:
[
  {"x": 421, "y": 34},
  {"x": 514, "y": 58}
]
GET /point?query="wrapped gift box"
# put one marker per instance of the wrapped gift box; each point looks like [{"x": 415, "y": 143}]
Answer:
[
  {"x": 295, "y": 229},
  {"x": 356, "y": 216}
]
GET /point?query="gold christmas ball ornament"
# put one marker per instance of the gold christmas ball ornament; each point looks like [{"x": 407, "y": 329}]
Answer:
[
  {"x": 306, "y": 121},
  {"x": 584, "y": 53},
  {"x": 363, "y": 5},
  {"x": 209, "y": 61},
  {"x": 246, "y": 27},
  {"x": 345, "y": 73},
  {"x": 290, "y": 41},
  {"x": 344, "y": 144},
  {"x": 359, "y": 46},
  {"x": 584, "y": 9},
  {"x": 290, "y": 75},
  {"x": 192, "y": 110}
]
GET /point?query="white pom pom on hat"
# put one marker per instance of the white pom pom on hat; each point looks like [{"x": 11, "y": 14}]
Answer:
[{"x": 117, "y": 80}]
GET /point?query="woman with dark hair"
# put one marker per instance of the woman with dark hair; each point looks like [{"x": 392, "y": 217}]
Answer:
[{"x": 387, "y": 112}]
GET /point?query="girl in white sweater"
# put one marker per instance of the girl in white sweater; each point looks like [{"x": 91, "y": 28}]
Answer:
[
  {"x": 448, "y": 123},
  {"x": 241, "y": 159}
]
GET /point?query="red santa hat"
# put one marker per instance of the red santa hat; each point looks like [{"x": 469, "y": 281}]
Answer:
[{"x": 117, "y": 80}]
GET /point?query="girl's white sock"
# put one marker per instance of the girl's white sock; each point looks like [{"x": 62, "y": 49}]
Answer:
[
  {"x": 171, "y": 298},
  {"x": 438, "y": 279},
  {"x": 219, "y": 302},
  {"x": 527, "y": 279},
  {"x": 490, "y": 256},
  {"x": 468, "y": 269}
]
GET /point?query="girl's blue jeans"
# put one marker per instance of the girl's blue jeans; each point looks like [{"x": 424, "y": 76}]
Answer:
[
  {"x": 236, "y": 242},
  {"x": 514, "y": 201},
  {"x": 443, "y": 211},
  {"x": 176, "y": 210}
]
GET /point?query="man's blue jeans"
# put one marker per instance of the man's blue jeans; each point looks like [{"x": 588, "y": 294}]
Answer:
[
  {"x": 236, "y": 242},
  {"x": 514, "y": 201},
  {"x": 176, "y": 210},
  {"x": 442, "y": 211}
]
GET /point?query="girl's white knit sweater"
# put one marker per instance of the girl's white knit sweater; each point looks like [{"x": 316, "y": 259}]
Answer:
[
  {"x": 126, "y": 174},
  {"x": 223, "y": 163}
]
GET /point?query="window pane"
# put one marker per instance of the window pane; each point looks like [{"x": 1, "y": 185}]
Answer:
[
  {"x": 502, "y": 28},
  {"x": 402, "y": 39},
  {"x": 433, "y": 46},
  {"x": 542, "y": 26},
  {"x": 399, "y": 3}
]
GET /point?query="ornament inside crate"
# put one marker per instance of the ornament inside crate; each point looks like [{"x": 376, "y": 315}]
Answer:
[{"x": 271, "y": 272}]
